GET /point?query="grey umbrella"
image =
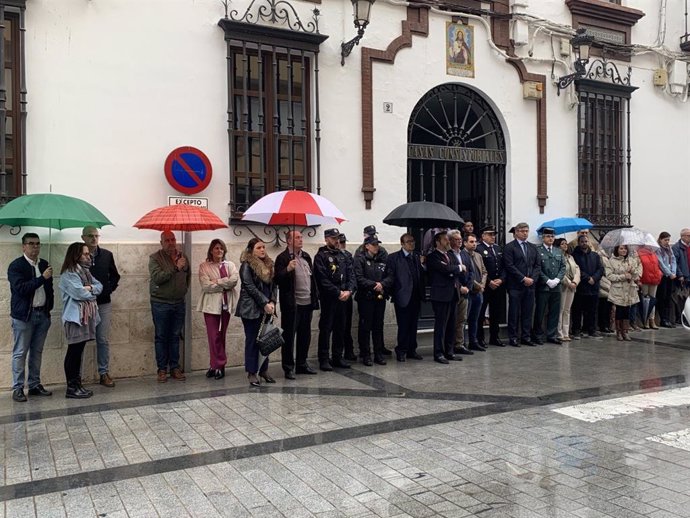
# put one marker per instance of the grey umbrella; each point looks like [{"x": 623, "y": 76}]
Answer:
[{"x": 423, "y": 214}]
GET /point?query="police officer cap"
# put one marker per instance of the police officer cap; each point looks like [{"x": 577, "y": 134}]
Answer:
[
  {"x": 371, "y": 240},
  {"x": 489, "y": 229},
  {"x": 369, "y": 230},
  {"x": 331, "y": 232},
  {"x": 342, "y": 238},
  {"x": 548, "y": 231}
]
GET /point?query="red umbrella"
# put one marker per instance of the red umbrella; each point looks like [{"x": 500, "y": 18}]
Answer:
[
  {"x": 295, "y": 208},
  {"x": 185, "y": 218}
]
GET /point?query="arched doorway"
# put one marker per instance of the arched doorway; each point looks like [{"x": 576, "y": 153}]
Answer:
[{"x": 457, "y": 155}]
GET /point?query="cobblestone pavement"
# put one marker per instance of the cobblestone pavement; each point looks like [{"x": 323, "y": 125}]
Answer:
[{"x": 591, "y": 429}]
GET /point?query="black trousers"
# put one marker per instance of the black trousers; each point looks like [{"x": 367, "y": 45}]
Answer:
[
  {"x": 331, "y": 322},
  {"x": 520, "y": 313},
  {"x": 549, "y": 306},
  {"x": 622, "y": 312},
  {"x": 407, "y": 319},
  {"x": 663, "y": 299},
  {"x": 604, "y": 314},
  {"x": 371, "y": 315},
  {"x": 348, "y": 343},
  {"x": 444, "y": 327},
  {"x": 73, "y": 361},
  {"x": 296, "y": 327},
  {"x": 495, "y": 300},
  {"x": 584, "y": 311}
]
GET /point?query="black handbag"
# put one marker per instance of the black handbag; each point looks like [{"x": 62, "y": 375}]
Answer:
[{"x": 270, "y": 337}]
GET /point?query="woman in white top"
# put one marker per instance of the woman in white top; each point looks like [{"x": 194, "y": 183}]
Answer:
[{"x": 219, "y": 292}]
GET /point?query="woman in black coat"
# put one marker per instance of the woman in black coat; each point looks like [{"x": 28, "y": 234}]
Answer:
[{"x": 257, "y": 299}]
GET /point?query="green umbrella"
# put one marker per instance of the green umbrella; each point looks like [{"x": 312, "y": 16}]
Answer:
[{"x": 49, "y": 210}]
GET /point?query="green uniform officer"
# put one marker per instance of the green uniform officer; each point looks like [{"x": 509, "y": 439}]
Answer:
[{"x": 548, "y": 289}]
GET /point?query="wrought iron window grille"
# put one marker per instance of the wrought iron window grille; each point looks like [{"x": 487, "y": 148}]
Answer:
[
  {"x": 268, "y": 233},
  {"x": 275, "y": 12}
]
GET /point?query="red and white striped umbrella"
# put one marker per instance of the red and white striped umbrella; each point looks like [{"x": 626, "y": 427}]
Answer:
[{"x": 294, "y": 208}]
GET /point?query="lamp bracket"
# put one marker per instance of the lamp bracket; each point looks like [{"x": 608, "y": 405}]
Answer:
[
  {"x": 346, "y": 47},
  {"x": 276, "y": 12}
]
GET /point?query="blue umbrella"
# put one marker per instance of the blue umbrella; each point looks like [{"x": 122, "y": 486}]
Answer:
[{"x": 563, "y": 225}]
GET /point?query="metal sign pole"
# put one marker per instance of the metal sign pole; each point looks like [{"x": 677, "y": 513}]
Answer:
[{"x": 187, "y": 358}]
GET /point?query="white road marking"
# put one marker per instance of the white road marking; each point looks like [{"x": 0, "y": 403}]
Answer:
[
  {"x": 679, "y": 439},
  {"x": 612, "y": 408}
]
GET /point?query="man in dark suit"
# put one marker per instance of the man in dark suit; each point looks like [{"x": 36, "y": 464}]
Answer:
[
  {"x": 299, "y": 298},
  {"x": 32, "y": 298},
  {"x": 404, "y": 281},
  {"x": 523, "y": 267},
  {"x": 494, "y": 291},
  {"x": 444, "y": 275}
]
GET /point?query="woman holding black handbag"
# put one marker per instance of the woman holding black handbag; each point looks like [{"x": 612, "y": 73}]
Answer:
[{"x": 257, "y": 299}]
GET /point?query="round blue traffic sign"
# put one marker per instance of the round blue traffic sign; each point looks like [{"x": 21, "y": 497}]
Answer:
[{"x": 188, "y": 170}]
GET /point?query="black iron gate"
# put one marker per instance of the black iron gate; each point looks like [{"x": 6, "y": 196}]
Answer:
[{"x": 456, "y": 156}]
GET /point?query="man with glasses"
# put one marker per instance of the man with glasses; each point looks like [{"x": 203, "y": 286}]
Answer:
[
  {"x": 404, "y": 281},
  {"x": 31, "y": 287},
  {"x": 103, "y": 269}
]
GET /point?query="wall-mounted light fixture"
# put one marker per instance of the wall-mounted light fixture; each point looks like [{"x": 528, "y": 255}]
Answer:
[
  {"x": 361, "y": 11},
  {"x": 581, "y": 43}
]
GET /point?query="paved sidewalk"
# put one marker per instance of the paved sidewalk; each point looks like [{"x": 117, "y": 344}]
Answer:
[{"x": 589, "y": 429}]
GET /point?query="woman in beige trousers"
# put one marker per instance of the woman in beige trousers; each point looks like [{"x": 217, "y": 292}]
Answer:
[{"x": 570, "y": 281}]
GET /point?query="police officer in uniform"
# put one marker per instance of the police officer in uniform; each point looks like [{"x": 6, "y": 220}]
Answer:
[
  {"x": 336, "y": 283},
  {"x": 548, "y": 289},
  {"x": 370, "y": 269},
  {"x": 494, "y": 291},
  {"x": 348, "y": 343}
]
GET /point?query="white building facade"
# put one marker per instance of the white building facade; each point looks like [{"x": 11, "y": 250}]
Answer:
[{"x": 455, "y": 101}]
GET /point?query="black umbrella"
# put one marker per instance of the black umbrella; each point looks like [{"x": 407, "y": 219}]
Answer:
[{"x": 423, "y": 214}]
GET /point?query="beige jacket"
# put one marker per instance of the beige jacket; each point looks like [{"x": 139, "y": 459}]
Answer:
[
  {"x": 478, "y": 286},
  {"x": 623, "y": 291},
  {"x": 572, "y": 273},
  {"x": 212, "y": 287}
]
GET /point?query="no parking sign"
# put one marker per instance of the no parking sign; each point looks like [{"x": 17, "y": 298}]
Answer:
[{"x": 188, "y": 170}]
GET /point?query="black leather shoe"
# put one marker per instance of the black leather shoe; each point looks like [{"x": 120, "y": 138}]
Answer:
[
  {"x": 210, "y": 373},
  {"x": 366, "y": 361},
  {"x": 305, "y": 369},
  {"x": 666, "y": 324},
  {"x": 441, "y": 359},
  {"x": 289, "y": 374},
  {"x": 482, "y": 343},
  {"x": 340, "y": 363},
  {"x": 497, "y": 342},
  {"x": 266, "y": 377},
  {"x": 476, "y": 347},
  {"x": 400, "y": 357},
  {"x": 525, "y": 341},
  {"x": 351, "y": 357},
  {"x": 76, "y": 391},
  {"x": 325, "y": 365},
  {"x": 18, "y": 395},
  {"x": 555, "y": 340},
  {"x": 537, "y": 341},
  {"x": 462, "y": 350},
  {"x": 38, "y": 390},
  {"x": 378, "y": 360},
  {"x": 414, "y": 356},
  {"x": 220, "y": 374},
  {"x": 387, "y": 352},
  {"x": 513, "y": 343},
  {"x": 453, "y": 358},
  {"x": 595, "y": 334}
]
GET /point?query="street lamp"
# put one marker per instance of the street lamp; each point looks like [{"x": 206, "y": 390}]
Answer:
[
  {"x": 361, "y": 11},
  {"x": 581, "y": 43}
]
